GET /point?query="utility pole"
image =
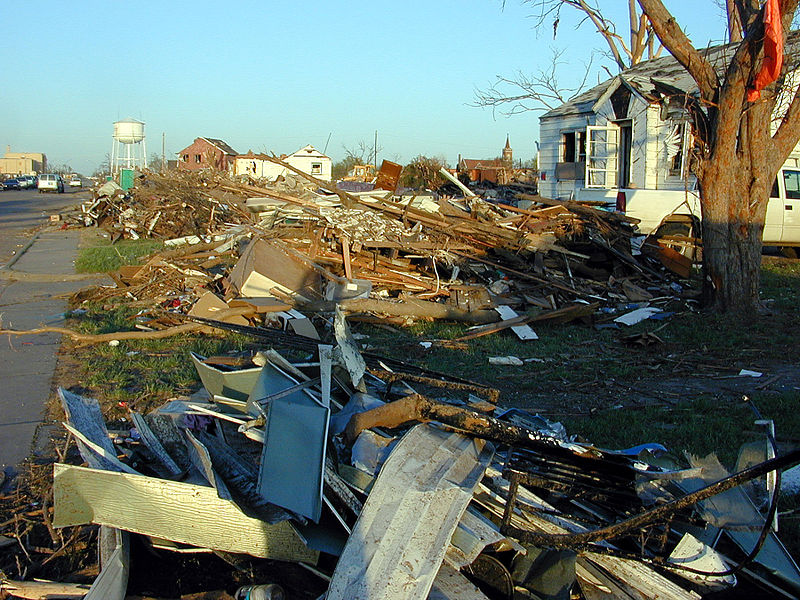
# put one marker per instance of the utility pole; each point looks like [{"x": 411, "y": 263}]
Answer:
[
  {"x": 375, "y": 151},
  {"x": 163, "y": 153}
]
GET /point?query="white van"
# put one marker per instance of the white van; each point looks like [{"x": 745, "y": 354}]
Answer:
[{"x": 50, "y": 182}]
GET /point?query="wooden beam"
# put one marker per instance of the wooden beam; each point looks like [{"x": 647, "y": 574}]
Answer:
[{"x": 348, "y": 270}]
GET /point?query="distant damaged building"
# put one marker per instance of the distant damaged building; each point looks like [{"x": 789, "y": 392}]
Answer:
[
  {"x": 493, "y": 170},
  {"x": 307, "y": 159},
  {"x": 206, "y": 153}
]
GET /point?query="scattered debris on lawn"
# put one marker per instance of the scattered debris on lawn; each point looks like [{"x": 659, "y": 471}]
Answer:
[
  {"x": 380, "y": 257},
  {"x": 372, "y": 477},
  {"x": 393, "y": 484}
]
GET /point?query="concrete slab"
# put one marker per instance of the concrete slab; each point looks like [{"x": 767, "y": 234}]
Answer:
[
  {"x": 22, "y": 399},
  {"x": 53, "y": 252},
  {"x": 30, "y": 358}
]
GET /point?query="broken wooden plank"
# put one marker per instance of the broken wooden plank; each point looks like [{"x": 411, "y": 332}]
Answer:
[
  {"x": 89, "y": 429},
  {"x": 37, "y": 590},
  {"x": 180, "y": 512},
  {"x": 102, "y": 457},
  {"x": 450, "y": 584},
  {"x": 348, "y": 270}
]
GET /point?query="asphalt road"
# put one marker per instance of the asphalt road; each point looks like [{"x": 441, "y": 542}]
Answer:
[{"x": 23, "y": 210}]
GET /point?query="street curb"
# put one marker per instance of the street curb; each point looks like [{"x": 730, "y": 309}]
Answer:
[{"x": 18, "y": 255}]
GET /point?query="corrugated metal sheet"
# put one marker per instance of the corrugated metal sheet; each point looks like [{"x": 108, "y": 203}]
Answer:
[{"x": 401, "y": 536}]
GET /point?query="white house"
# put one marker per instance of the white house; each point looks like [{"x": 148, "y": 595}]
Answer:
[
  {"x": 311, "y": 161},
  {"x": 307, "y": 159},
  {"x": 632, "y": 130}
]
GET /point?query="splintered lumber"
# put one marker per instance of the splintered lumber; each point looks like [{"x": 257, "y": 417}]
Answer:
[
  {"x": 561, "y": 315},
  {"x": 410, "y": 307},
  {"x": 347, "y": 199},
  {"x": 36, "y": 590},
  {"x": 673, "y": 260},
  {"x": 404, "y": 529},
  {"x": 180, "y": 512},
  {"x": 573, "y": 207},
  {"x": 522, "y": 275}
]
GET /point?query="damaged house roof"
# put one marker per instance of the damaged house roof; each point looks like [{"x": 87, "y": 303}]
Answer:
[
  {"x": 645, "y": 77},
  {"x": 222, "y": 145}
]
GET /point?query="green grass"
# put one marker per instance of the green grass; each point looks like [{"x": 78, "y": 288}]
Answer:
[
  {"x": 565, "y": 359},
  {"x": 110, "y": 257},
  {"x": 700, "y": 425},
  {"x": 140, "y": 374}
]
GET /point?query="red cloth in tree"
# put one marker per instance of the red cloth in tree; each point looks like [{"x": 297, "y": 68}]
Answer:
[{"x": 773, "y": 50}]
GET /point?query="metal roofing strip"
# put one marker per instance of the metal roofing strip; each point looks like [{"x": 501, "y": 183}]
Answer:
[{"x": 400, "y": 539}]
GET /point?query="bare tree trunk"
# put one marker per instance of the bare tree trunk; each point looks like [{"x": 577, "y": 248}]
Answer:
[{"x": 731, "y": 243}]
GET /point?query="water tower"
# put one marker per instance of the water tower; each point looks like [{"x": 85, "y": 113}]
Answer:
[{"x": 128, "y": 149}]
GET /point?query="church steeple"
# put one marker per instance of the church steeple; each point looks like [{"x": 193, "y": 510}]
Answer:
[{"x": 508, "y": 154}]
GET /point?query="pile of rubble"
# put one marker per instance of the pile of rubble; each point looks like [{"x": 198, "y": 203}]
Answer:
[
  {"x": 377, "y": 254},
  {"x": 384, "y": 484}
]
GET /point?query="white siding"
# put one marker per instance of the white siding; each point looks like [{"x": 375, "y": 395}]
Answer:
[
  {"x": 639, "y": 114},
  {"x": 550, "y": 152},
  {"x": 650, "y": 166},
  {"x": 257, "y": 167},
  {"x": 658, "y": 161},
  {"x": 306, "y": 164}
]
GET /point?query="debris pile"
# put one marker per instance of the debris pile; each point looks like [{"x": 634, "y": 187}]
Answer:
[
  {"x": 304, "y": 242},
  {"x": 389, "y": 484}
]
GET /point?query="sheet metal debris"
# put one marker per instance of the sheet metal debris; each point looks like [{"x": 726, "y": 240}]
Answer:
[{"x": 495, "y": 498}]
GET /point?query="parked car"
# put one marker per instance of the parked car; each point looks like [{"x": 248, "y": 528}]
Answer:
[
  {"x": 12, "y": 184},
  {"x": 75, "y": 181},
  {"x": 50, "y": 182}
]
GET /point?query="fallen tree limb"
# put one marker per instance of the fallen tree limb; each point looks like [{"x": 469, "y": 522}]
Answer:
[
  {"x": 663, "y": 511},
  {"x": 560, "y": 315},
  {"x": 419, "y": 408},
  {"x": 100, "y": 338}
]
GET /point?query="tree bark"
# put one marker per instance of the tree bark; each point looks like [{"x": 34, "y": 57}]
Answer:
[
  {"x": 737, "y": 157},
  {"x": 731, "y": 242}
]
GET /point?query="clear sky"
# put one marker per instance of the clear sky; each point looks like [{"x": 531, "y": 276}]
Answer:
[{"x": 275, "y": 76}]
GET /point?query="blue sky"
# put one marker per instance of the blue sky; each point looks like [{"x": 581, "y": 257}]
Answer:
[{"x": 275, "y": 76}]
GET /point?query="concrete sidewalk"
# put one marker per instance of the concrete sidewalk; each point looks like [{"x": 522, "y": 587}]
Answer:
[{"x": 32, "y": 290}]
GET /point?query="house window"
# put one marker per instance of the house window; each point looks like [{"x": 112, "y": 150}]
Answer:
[
  {"x": 185, "y": 158},
  {"x": 676, "y": 146},
  {"x": 316, "y": 168},
  {"x": 198, "y": 158},
  {"x": 574, "y": 146}
]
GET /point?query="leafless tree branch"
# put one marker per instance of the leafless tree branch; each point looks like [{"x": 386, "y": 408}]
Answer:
[{"x": 523, "y": 92}]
